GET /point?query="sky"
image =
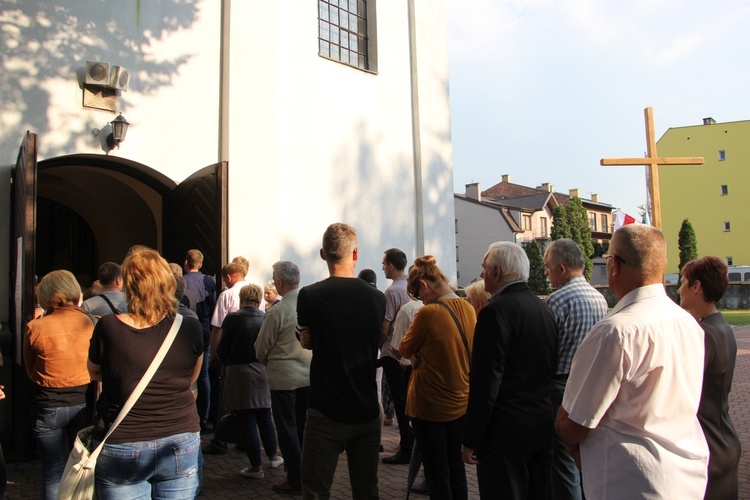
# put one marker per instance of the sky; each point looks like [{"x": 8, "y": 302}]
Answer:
[{"x": 543, "y": 89}]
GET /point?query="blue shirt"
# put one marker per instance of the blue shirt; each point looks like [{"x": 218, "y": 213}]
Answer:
[{"x": 576, "y": 306}]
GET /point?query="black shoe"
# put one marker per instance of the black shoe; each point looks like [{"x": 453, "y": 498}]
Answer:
[
  {"x": 212, "y": 449},
  {"x": 420, "y": 488},
  {"x": 399, "y": 458}
]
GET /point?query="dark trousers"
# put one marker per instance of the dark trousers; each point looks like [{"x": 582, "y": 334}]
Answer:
[
  {"x": 514, "y": 476},
  {"x": 203, "y": 401},
  {"x": 398, "y": 380},
  {"x": 289, "y": 414},
  {"x": 440, "y": 446},
  {"x": 248, "y": 428}
]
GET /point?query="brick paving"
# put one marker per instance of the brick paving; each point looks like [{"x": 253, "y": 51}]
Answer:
[{"x": 222, "y": 479}]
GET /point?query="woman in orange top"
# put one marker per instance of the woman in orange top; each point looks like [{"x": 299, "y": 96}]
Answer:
[
  {"x": 55, "y": 350},
  {"x": 439, "y": 388}
]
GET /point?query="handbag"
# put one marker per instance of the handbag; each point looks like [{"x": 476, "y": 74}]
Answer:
[{"x": 77, "y": 482}]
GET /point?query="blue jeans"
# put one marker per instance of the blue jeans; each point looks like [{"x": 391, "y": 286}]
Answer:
[
  {"x": 162, "y": 468},
  {"x": 565, "y": 479},
  {"x": 324, "y": 441},
  {"x": 55, "y": 431},
  {"x": 203, "y": 402},
  {"x": 440, "y": 446}
]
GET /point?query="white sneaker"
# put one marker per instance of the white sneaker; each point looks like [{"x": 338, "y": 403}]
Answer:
[
  {"x": 275, "y": 464},
  {"x": 246, "y": 472}
]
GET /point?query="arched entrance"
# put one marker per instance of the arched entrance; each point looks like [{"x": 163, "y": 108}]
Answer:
[{"x": 77, "y": 211}]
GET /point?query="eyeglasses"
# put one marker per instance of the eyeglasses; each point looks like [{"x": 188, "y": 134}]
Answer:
[{"x": 608, "y": 256}]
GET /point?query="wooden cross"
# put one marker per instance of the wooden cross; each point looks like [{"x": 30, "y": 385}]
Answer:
[{"x": 653, "y": 162}]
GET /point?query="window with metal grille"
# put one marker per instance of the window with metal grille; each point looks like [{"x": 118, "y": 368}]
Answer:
[{"x": 343, "y": 31}]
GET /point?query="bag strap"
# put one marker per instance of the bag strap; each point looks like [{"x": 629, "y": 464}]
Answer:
[
  {"x": 133, "y": 398},
  {"x": 110, "y": 304},
  {"x": 460, "y": 329}
]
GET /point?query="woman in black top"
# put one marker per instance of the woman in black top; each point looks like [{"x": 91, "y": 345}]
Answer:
[
  {"x": 703, "y": 284},
  {"x": 246, "y": 392},
  {"x": 155, "y": 451}
]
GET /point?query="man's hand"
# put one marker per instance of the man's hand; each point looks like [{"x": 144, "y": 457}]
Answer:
[
  {"x": 305, "y": 337},
  {"x": 468, "y": 456}
]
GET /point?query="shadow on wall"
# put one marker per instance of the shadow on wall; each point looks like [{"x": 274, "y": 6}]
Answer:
[{"x": 43, "y": 42}]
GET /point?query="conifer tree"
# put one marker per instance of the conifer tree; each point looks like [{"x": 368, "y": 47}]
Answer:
[
  {"x": 580, "y": 232},
  {"x": 687, "y": 243},
  {"x": 537, "y": 278},
  {"x": 560, "y": 226}
]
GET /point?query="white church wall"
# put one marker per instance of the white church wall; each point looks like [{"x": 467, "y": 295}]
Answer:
[{"x": 325, "y": 143}]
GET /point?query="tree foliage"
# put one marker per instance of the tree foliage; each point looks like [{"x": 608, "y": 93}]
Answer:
[
  {"x": 687, "y": 243},
  {"x": 537, "y": 278},
  {"x": 560, "y": 226},
  {"x": 580, "y": 232}
]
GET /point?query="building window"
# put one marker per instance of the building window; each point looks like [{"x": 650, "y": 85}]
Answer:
[
  {"x": 456, "y": 253},
  {"x": 543, "y": 223},
  {"x": 526, "y": 222},
  {"x": 722, "y": 155},
  {"x": 605, "y": 223},
  {"x": 730, "y": 261},
  {"x": 343, "y": 33},
  {"x": 724, "y": 190},
  {"x": 592, "y": 221},
  {"x": 455, "y": 223},
  {"x": 727, "y": 226},
  {"x": 603, "y": 271}
]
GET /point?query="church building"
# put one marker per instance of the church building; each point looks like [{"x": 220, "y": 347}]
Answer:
[{"x": 235, "y": 127}]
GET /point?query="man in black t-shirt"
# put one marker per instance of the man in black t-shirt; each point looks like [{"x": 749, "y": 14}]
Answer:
[{"x": 340, "y": 319}]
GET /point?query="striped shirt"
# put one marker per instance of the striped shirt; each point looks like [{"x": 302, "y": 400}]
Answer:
[{"x": 576, "y": 306}]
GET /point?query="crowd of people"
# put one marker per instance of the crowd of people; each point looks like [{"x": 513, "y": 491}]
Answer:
[{"x": 558, "y": 398}]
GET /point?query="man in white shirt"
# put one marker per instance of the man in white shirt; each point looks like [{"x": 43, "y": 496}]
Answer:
[{"x": 629, "y": 411}]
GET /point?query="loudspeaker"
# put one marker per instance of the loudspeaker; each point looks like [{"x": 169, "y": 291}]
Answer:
[
  {"x": 97, "y": 73},
  {"x": 119, "y": 78}
]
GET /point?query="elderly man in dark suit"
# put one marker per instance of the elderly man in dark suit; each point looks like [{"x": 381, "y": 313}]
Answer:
[{"x": 509, "y": 421}]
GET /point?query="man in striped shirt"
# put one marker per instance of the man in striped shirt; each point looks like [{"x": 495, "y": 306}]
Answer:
[{"x": 576, "y": 306}]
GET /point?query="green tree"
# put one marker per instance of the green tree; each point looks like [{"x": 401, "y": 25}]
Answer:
[
  {"x": 537, "y": 279},
  {"x": 580, "y": 232},
  {"x": 560, "y": 226},
  {"x": 687, "y": 243}
]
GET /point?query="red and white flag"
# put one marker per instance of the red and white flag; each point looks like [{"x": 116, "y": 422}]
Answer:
[{"x": 623, "y": 219}]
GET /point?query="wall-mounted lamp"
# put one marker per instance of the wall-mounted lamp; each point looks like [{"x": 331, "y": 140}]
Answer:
[{"x": 119, "y": 130}]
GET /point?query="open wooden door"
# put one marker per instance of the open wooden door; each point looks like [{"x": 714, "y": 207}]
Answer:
[
  {"x": 21, "y": 307},
  {"x": 196, "y": 217}
]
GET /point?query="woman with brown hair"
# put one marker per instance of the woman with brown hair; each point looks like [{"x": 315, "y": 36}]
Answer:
[
  {"x": 439, "y": 345},
  {"x": 703, "y": 284},
  {"x": 54, "y": 352},
  {"x": 155, "y": 451}
]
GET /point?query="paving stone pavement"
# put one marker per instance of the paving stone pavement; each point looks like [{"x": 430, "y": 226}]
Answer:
[{"x": 222, "y": 479}]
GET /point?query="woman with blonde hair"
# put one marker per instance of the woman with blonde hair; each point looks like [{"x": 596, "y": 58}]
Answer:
[
  {"x": 54, "y": 352},
  {"x": 155, "y": 451},
  {"x": 439, "y": 344},
  {"x": 477, "y": 296},
  {"x": 271, "y": 295},
  {"x": 246, "y": 392}
]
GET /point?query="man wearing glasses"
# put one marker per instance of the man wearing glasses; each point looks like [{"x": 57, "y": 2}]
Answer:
[{"x": 629, "y": 411}]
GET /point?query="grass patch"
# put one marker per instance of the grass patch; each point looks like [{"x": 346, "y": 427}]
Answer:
[{"x": 737, "y": 318}]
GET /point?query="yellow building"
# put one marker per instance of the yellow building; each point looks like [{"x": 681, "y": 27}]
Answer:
[{"x": 713, "y": 195}]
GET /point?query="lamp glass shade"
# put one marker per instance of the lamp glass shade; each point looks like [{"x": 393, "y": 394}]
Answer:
[{"x": 119, "y": 128}]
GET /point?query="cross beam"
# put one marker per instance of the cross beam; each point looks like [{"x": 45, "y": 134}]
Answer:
[{"x": 652, "y": 161}]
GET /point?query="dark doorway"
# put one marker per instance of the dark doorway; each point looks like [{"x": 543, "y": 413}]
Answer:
[{"x": 66, "y": 241}]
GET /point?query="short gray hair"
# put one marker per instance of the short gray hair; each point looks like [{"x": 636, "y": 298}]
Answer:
[
  {"x": 509, "y": 257},
  {"x": 568, "y": 253},
  {"x": 287, "y": 271}
]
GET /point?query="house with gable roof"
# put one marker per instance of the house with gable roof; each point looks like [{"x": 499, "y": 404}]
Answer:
[{"x": 512, "y": 212}]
